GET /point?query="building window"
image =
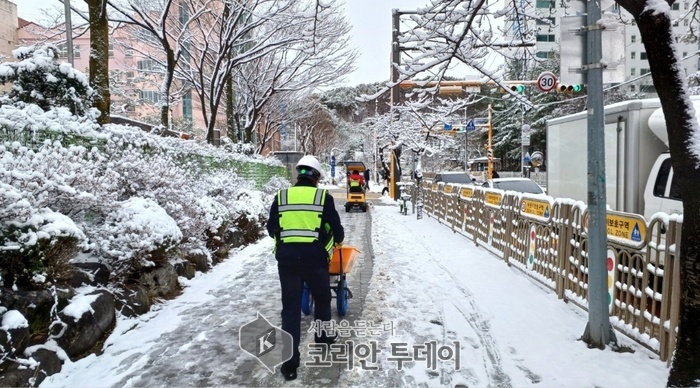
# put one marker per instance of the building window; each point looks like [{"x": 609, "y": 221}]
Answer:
[
  {"x": 685, "y": 54},
  {"x": 675, "y": 7},
  {"x": 685, "y": 22},
  {"x": 129, "y": 76},
  {"x": 76, "y": 51},
  {"x": 546, "y": 38},
  {"x": 633, "y": 38},
  {"x": 544, "y": 4},
  {"x": 111, "y": 50},
  {"x": 643, "y": 71},
  {"x": 130, "y": 108},
  {"x": 184, "y": 13},
  {"x": 187, "y": 105},
  {"x": 633, "y": 71},
  {"x": 643, "y": 55},
  {"x": 632, "y": 88},
  {"x": 544, "y": 54},
  {"x": 145, "y": 65},
  {"x": 647, "y": 89},
  {"x": 128, "y": 51},
  {"x": 633, "y": 55},
  {"x": 62, "y": 52},
  {"x": 149, "y": 95}
]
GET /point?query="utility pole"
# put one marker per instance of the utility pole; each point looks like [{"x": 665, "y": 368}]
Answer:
[
  {"x": 395, "y": 60},
  {"x": 466, "y": 142},
  {"x": 69, "y": 33},
  {"x": 395, "y": 63},
  {"x": 489, "y": 150},
  {"x": 598, "y": 331}
]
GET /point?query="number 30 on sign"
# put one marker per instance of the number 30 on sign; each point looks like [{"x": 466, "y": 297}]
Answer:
[{"x": 547, "y": 81}]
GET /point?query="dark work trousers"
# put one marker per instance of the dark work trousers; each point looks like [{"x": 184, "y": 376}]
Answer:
[{"x": 292, "y": 278}]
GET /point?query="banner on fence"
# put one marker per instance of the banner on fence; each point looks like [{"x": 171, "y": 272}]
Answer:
[
  {"x": 626, "y": 229},
  {"x": 493, "y": 199},
  {"x": 466, "y": 192},
  {"x": 536, "y": 209}
]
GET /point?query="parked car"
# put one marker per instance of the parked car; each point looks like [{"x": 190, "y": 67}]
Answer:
[
  {"x": 453, "y": 177},
  {"x": 523, "y": 185}
]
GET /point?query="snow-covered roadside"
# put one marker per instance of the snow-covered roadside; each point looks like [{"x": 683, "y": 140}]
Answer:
[{"x": 434, "y": 285}]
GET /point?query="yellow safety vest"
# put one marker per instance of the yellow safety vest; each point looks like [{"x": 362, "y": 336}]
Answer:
[{"x": 300, "y": 210}]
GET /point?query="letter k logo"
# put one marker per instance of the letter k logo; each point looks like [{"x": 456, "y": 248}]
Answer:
[{"x": 266, "y": 342}]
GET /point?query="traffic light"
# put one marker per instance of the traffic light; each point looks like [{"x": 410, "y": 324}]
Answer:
[
  {"x": 562, "y": 88},
  {"x": 517, "y": 88}
]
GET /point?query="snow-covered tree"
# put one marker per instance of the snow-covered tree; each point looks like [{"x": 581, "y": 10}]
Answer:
[
  {"x": 163, "y": 31},
  {"x": 38, "y": 78},
  {"x": 268, "y": 47},
  {"x": 654, "y": 21}
]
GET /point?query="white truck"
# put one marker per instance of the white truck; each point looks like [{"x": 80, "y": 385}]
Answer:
[{"x": 639, "y": 178}]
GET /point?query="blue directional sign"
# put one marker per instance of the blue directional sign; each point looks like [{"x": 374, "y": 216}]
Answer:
[
  {"x": 470, "y": 125},
  {"x": 448, "y": 127},
  {"x": 332, "y": 165}
]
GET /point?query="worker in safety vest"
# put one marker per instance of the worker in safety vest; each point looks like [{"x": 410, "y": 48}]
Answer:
[
  {"x": 356, "y": 182},
  {"x": 305, "y": 225}
]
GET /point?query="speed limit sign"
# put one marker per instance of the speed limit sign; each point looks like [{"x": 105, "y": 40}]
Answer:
[{"x": 547, "y": 81}]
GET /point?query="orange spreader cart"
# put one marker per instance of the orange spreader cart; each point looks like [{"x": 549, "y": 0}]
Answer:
[{"x": 341, "y": 263}]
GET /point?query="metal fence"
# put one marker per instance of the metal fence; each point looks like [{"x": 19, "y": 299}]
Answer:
[{"x": 550, "y": 244}]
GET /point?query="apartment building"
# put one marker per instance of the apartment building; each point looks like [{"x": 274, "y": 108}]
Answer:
[
  {"x": 548, "y": 39},
  {"x": 8, "y": 28},
  {"x": 637, "y": 64}
]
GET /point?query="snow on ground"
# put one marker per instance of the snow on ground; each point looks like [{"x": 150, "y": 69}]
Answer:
[{"x": 428, "y": 286}]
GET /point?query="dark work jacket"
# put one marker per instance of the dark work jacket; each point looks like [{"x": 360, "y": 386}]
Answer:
[{"x": 306, "y": 253}]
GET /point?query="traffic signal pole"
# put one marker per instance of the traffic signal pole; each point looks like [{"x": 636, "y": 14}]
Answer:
[{"x": 598, "y": 332}]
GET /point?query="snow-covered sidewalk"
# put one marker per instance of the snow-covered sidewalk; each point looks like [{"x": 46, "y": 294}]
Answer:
[{"x": 430, "y": 288}]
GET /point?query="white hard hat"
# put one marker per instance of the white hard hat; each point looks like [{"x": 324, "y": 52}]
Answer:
[{"x": 308, "y": 165}]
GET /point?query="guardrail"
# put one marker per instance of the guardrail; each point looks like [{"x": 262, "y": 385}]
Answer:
[{"x": 547, "y": 240}]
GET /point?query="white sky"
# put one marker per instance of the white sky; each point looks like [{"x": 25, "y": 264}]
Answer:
[
  {"x": 31, "y": 9},
  {"x": 431, "y": 284},
  {"x": 371, "y": 29}
]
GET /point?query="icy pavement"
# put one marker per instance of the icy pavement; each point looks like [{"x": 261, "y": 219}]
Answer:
[{"x": 461, "y": 315}]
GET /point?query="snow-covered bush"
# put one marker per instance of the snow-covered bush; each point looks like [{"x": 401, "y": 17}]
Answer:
[
  {"x": 36, "y": 240},
  {"x": 38, "y": 78},
  {"x": 138, "y": 234},
  {"x": 36, "y": 245}
]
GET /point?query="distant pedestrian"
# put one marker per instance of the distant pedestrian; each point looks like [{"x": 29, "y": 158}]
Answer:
[
  {"x": 494, "y": 175},
  {"x": 366, "y": 176}
]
